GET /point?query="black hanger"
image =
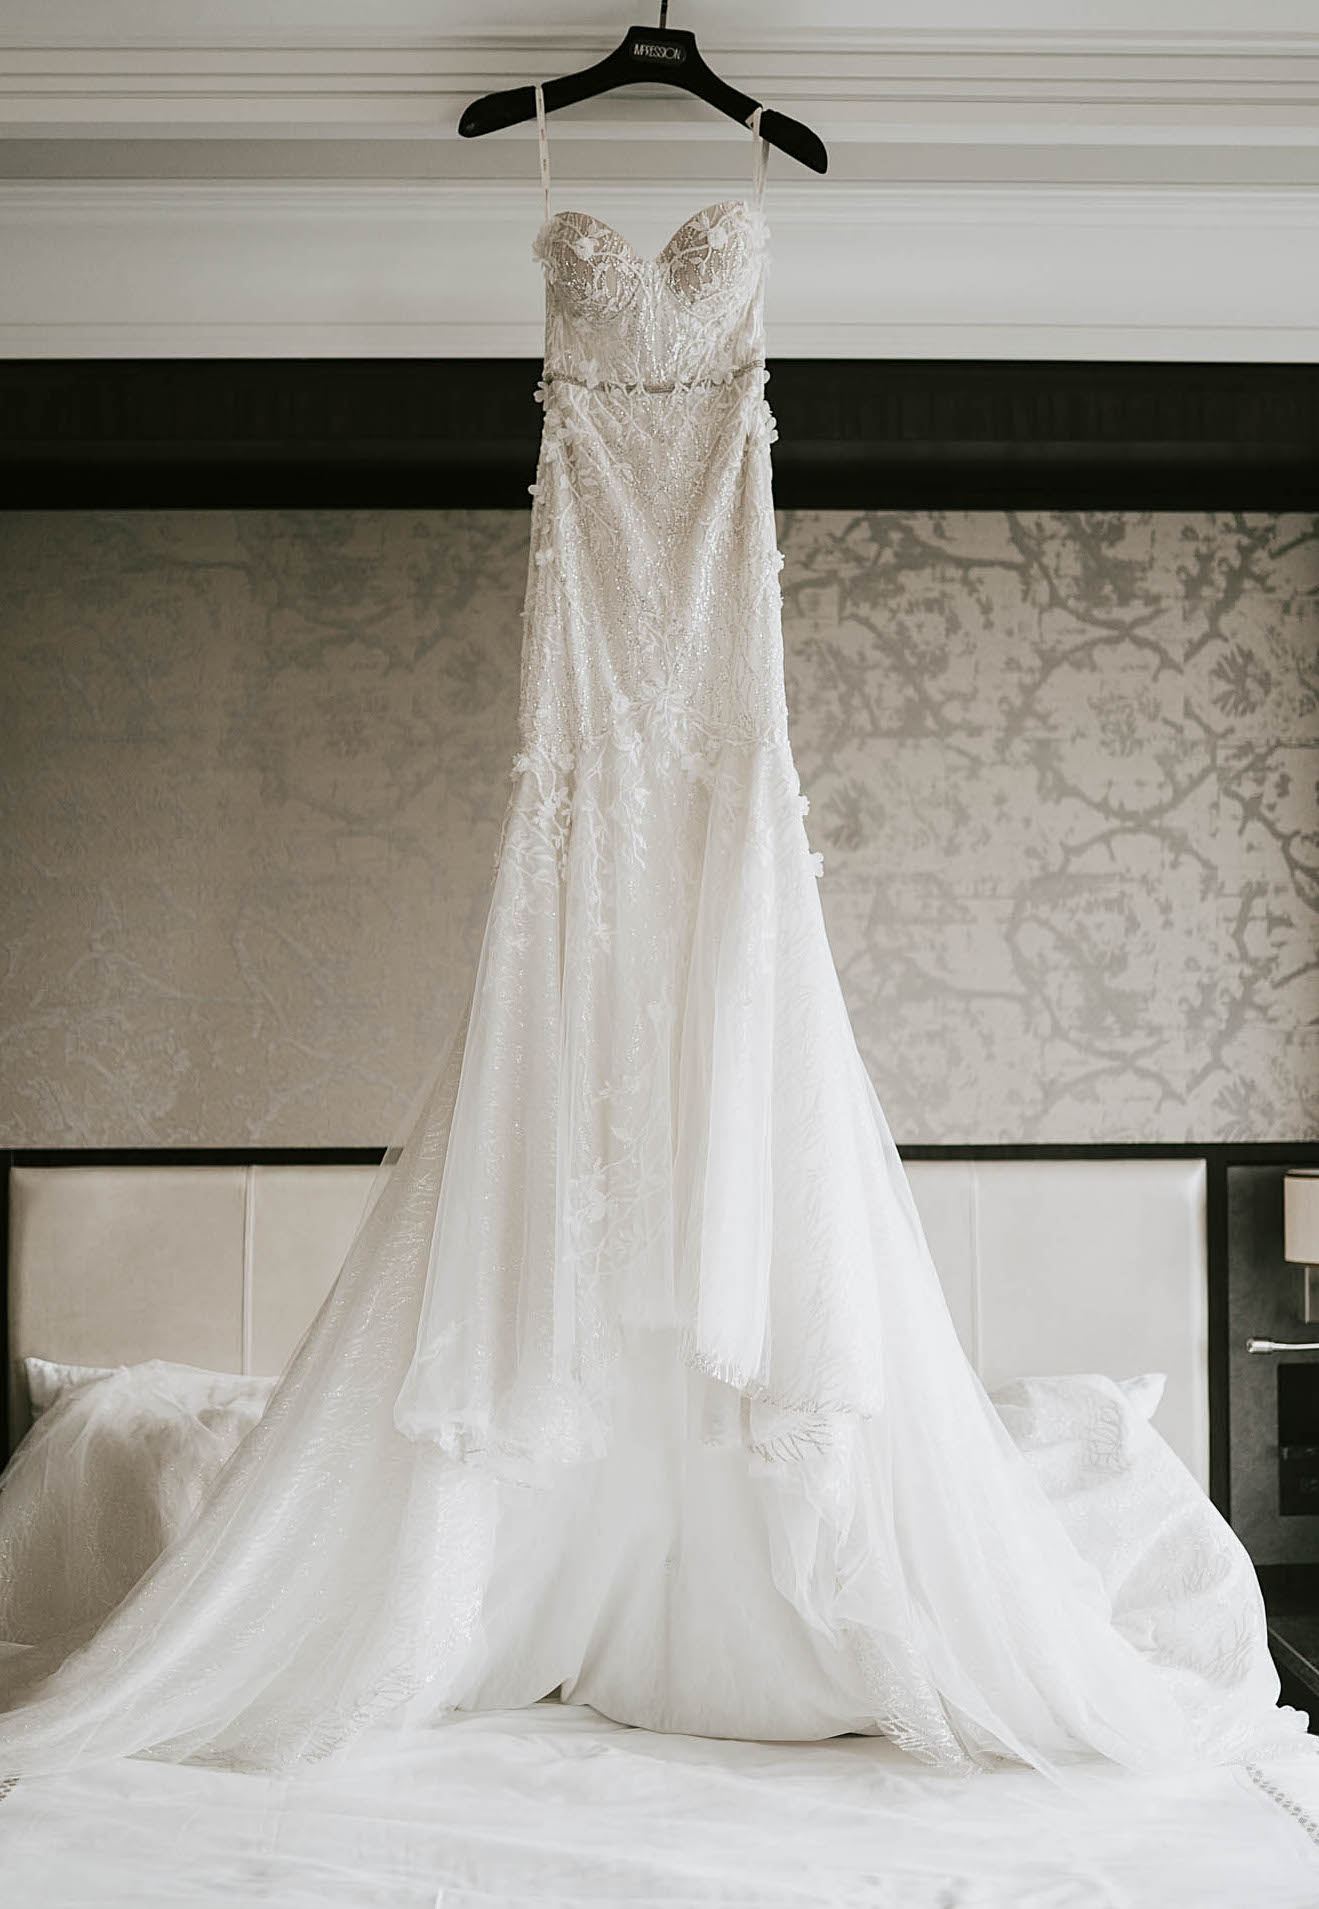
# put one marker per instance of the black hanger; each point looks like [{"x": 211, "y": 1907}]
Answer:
[{"x": 645, "y": 55}]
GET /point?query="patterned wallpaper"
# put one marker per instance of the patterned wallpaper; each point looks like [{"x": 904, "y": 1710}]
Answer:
[
  {"x": 1064, "y": 771},
  {"x": 1065, "y": 775}
]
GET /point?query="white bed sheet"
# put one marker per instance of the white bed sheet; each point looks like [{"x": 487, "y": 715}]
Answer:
[{"x": 554, "y": 1806}]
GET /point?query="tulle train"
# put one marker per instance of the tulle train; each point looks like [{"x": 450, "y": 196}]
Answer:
[{"x": 638, "y": 1381}]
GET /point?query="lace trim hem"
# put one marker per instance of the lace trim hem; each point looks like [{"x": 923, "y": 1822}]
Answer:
[{"x": 810, "y": 1412}]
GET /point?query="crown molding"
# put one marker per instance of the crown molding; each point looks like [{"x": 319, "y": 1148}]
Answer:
[
  {"x": 228, "y": 72},
  {"x": 631, "y": 206},
  {"x": 220, "y": 177},
  {"x": 308, "y": 269},
  {"x": 963, "y": 339}
]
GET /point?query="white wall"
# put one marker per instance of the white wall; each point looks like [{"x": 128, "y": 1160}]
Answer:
[{"x": 1126, "y": 180}]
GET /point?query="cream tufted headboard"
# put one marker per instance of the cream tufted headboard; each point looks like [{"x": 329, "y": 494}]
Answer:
[{"x": 1049, "y": 1266}]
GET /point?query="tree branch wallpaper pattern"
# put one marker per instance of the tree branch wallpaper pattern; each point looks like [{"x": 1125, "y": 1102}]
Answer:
[{"x": 1063, "y": 770}]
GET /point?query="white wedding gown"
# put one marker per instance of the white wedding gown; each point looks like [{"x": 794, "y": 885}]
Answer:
[{"x": 638, "y": 1380}]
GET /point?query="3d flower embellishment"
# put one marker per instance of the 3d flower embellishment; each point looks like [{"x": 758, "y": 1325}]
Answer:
[
  {"x": 584, "y": 246},
  {"x": 716, "y": 238},
  {"x": 804, "y": 802},
  {"x": 544, "y": 555},
  {"x": 817, "y": 864}
]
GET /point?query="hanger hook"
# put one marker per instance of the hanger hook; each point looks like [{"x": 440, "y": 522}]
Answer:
[{"x": 664, "y": 14}]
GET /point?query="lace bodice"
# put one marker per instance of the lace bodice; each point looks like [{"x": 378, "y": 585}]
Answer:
[
  {"x": 653, "y": 585},
  {"x": 692, "y": 312}
]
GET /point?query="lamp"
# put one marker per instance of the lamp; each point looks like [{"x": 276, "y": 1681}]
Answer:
[{"x": 1300, "y": 1226}]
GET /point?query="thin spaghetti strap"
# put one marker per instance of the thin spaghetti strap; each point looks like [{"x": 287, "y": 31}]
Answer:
[
  {"x": 544, "y": 138},
  {"x": 761, "y": 166}
]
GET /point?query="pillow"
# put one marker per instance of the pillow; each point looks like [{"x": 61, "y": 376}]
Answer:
[
  {"x": 114, "y": 1468},
  {"x": 46, "y": 1381},
  {"x": 1146, "y": 1392},
  {"x": 1180, "y": 1582},
  {"x": 1081, "y": 1411}
]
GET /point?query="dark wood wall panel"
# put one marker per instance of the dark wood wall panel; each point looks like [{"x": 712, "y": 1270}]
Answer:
[{"x": 866, "y": 433}]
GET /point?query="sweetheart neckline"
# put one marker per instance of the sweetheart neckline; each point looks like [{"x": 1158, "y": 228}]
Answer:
[{"x": 648, "y": 258}]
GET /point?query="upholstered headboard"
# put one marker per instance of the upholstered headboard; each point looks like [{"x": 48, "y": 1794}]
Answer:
[
  {"x": 219, "y": 1266},
  {"x": 1049, "y": 1266}
]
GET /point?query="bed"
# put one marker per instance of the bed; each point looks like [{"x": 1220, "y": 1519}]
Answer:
[{"x": 1050, "y": 1266}]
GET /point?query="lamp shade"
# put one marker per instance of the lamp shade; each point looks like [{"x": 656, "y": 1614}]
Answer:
[{"x": 1300, "y": 1211}]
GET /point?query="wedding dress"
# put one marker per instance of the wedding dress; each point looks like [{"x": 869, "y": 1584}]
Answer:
[{"x": 638, "y": 1381}]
